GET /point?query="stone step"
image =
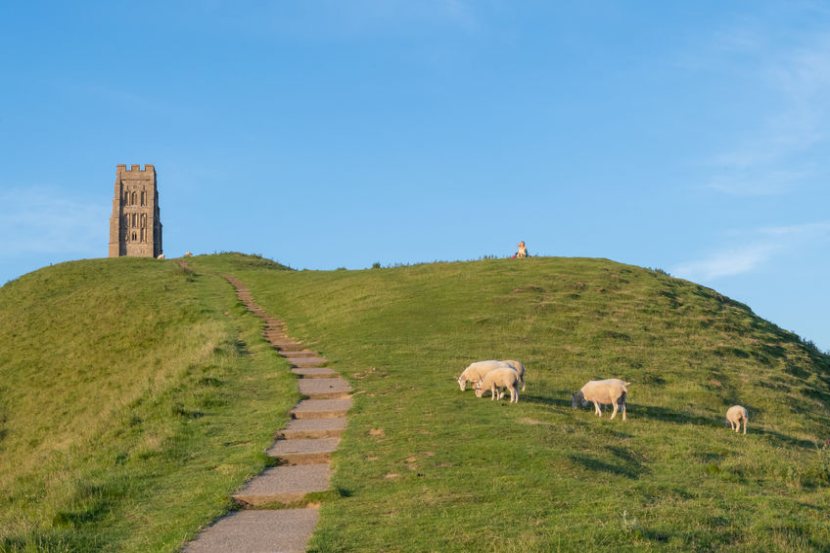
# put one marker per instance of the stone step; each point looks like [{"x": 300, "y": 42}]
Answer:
[
  {"x": 313, "y": 428},
  {"x": 318, "y": 372},
  {"x": 281, "y": 531},
  {"x": 321, "y": 408},
  {"x": 311, "y": 451},
  {"x": 325, "y": 388},
  {"x": 284, "y": 484},
  {"x": 306, "y": 362},
  {"x": 287, "y": 344},
  {"x": 303, "y": 353}
]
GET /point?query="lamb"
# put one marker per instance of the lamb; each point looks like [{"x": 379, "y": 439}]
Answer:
[
  {"x": 519, "y": 367},
  {"x": 603, "y": 392},
  {"x": 476, "y": 371},
  {"x": 736, "y": 414},
  {"x": 505, "y": 377}
]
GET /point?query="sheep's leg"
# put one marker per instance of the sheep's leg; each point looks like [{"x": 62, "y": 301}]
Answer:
[
  {"x": 514, "y": 394},
  {"x": 613, "y": 410},
  {"x": 744, "y": 426},
  {"x": 597, "y": 410},
  {"x": 623, "y": 411},
  {"x": 493, "y": 392}
]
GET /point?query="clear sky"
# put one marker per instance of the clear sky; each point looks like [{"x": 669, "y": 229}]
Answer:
[{"x": 688, "y": 136}]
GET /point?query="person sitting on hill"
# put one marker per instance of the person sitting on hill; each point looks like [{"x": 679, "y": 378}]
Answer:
[{"x": 522, "y": 251}]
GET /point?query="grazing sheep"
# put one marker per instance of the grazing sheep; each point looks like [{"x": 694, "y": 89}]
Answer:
[
  {"x": 736, "y": 414},
  {"x": 603, "y": 392},
  {"x": 476, "y": 371},
  {"x": 519, "y": 367},
  {"x": 498, "y": 379}
]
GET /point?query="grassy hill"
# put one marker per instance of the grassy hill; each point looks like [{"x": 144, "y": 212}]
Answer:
[
  {"x": 134, "y": 397},
  {"x": 424, "y": 467},
  {"x": 135, "y": 394}
]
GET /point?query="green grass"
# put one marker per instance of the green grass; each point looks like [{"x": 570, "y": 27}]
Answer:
[
  {"x": 424, "y": 467},
  {"x": 135, "y": 396}
]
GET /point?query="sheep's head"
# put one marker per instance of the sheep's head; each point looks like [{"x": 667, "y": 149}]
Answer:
[
  {"x": 578, "y": 399},
  {"x": 462, "y": 382}
]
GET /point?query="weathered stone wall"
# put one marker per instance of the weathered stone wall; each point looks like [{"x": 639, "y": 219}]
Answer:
[{"x": 135, "y": 224}]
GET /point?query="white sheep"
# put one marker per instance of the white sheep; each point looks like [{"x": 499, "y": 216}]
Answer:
[
  {"x": 519, "y": 367},
  {"x": 603, "y": 392},
  {"x": 476, "y": 371},
  {"x": 736, "y": 414},
  {"x": 498, "y": 379}
]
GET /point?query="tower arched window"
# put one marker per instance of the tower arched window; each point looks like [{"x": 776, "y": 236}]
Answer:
[
  {"x": 133, "y": 198},
  {"x": 143, "y": 220},
  {"x": 135, "y": 236},
  {"x": 143, "y": 198},
  {"x": 134, "y": 220}
]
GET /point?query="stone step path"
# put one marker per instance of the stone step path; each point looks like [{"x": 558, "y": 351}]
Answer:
[
  {"x": 259, "y": 531},
  {"x": 332, "y": 427},
  {"x": 286, "y": 485},
  {"x": 302, "y": 450},
  {"x": 314, "y": 372},
  {"x": 305, "y": 362},
  {"x": 325, "y": 388},
  {"x": 321, "y": 408}
]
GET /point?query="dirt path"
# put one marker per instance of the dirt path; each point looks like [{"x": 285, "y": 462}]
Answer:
[{"x": 302, "y": 450}]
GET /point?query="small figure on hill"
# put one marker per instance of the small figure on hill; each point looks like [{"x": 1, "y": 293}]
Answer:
[{"x": 521, "y": 252}]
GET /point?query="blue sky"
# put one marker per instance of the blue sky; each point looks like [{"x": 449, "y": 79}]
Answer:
[{"x": 686, "y": 136}]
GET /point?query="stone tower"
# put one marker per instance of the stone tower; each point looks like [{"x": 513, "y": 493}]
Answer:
[{"x": 135, "y": 225}]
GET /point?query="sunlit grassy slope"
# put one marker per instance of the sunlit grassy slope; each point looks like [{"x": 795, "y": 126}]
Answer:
[
  {"x": 424, "y": 467},
  {"x": 135, "y": 395}
]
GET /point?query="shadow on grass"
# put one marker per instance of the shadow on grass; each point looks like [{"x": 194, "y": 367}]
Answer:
[
  {"x": 627, "y": 465},
  {"x": 782, "y": 439},
  {"x": 546, "y": 400},
  {"x": 665, "y": 414}
]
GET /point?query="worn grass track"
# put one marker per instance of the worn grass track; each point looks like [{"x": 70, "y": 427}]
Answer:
[{"x": 424, "y": 467}]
